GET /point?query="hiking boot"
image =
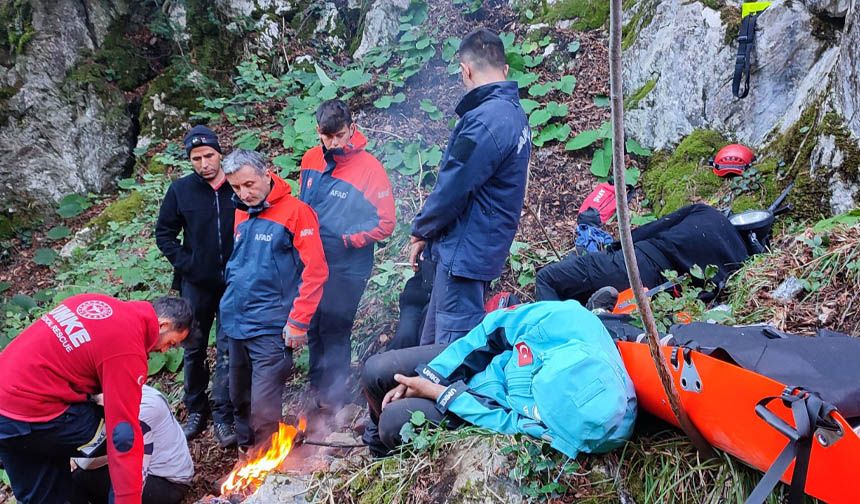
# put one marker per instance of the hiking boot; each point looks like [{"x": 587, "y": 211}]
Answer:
[
  {"x": 195, "y": 423},
  {"x": 225, "y": 435},
  {"x": 603, "y": 299}
]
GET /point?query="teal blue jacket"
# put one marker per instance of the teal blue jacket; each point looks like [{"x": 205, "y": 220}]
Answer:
[{"x": 547, "y": 369}]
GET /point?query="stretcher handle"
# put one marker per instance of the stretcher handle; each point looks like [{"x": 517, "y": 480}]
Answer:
[{"x": 776, "y": 422}]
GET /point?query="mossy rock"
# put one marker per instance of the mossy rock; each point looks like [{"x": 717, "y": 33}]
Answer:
[
  {"x": 117, "y": 61},
  {"x": 675, "y": 179},
  {"x": 589, "y": 14},
  {"x": 214, "y": 49},
  {"x": 167, "y": 105},
  {"x": 16, "y": 28},
  {"x": 120, "y": 211},
  {"x": 641, "y": 18}
]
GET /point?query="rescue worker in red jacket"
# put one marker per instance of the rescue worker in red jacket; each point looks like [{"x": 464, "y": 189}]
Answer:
[
  {"x": 351, "y": 194},
  {"x": 275, "y": 281},
  {"x": 88, "y": 344}
]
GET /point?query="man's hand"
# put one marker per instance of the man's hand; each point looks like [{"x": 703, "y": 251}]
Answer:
[
  {"x": 416, "y": 249},
  {"x": 394, "y": 394},
  {"x": 419, "y": 387},
  {"x": 294, "y": 338}
]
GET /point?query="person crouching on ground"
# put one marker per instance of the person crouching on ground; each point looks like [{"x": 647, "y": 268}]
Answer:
[
  {"x": 548, "y": 369},
  {"x": 88, "y": 344}
]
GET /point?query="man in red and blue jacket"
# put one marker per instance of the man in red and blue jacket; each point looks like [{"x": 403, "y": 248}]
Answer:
[
  {"x": 275, "y": 279},
  {"x": 351, "y": 194},
  {"x": 89, "y": 344}
]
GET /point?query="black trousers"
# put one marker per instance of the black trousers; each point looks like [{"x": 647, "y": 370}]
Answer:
[
  {"x": 578, "y": 277},
  {"x": 382, "y": 434},
  {"x": 259, "y": 368},
  {"x": 93, "y": 487},
  {"x": 204, "y": 302},
  {"x": 414, "y": 302},
  {"x": 36, "y": 454},
  {"x": 329, "y": 337}
]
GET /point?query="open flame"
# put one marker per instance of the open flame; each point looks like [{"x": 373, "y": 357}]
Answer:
[{"x": 250, "y": 475}]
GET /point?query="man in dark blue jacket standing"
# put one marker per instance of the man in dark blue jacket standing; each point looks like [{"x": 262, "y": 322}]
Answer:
[
  {"x": 469, "y": 220},
  {"x": 199, "y": 205}
]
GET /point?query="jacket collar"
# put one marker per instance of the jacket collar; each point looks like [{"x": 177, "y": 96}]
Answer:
[
  {"x": 356, "y": 144},
  {"x": 280, "y": 190},
  {"x": 502, "y": 90}
]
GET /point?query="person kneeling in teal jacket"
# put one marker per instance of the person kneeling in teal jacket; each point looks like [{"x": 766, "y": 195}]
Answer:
[{"x": 546, "y": 369}]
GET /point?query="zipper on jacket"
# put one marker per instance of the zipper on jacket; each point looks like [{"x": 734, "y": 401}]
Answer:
[{"x": 218, "y": 230}]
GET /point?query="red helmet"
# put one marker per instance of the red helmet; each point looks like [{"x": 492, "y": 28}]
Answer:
[{"x": 732, "y": 159}]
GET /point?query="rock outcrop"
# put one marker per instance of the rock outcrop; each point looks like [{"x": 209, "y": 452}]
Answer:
[
  {"x": 59, "y": 136},
  {"x": 684, "y": 43}
]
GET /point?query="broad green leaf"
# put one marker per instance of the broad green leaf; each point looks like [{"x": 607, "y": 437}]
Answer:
[
  {"x": 174, "y": 359},
  {"x": 23, "y": 301},
  {"x": 305, "y": 123},
  {"x": 507, "y": 39},
  {"x": 45, "y": 256},
  {"x": 418, "y": 418},
  {"x": 529, "y": 105},
  {"x": 525, "y": 79},
  {"x": 539, "y": 117},
  {"x": 4, "y": 286},
  {"x": 557, "y": 132},
  {"x": 58, "y": 232},
  {"x": 540, "y": 89},
  {"x": 407, "y": 431},
  {"x": 633, "y": 147},
  {"x": 696, "y": 272},
  {"x": 556, "y": 109},
  {"x": 354, "y": 78},
  {"x": 631, "y": 176},
  {"x": 605, "y": 130},
  {"x": 328, "y": 93},
  {"x": 601, "y": 163},
  {"x": 127, "y": 183},
  {"x": 582, "y": 140},
  {"x": 386, "y": 101},
  {"x": 70, "y": 210},
  {"x": 515, "y": 61},
  {"x": 532, "y": 61},
  {"x": 433, "y": 157},
  {"x": 248, "y": 140},
  {"x": 567, "y": 83},
  {"x": 449, "y": 48},
  {"x": 325, "y": 80},
  {"x": 601, "y": 101},
  {"x": 423, "y": 42},
  {"x": 156, "y": 363},
  {"x": 573, "y": 46},
  {"x": 638, "y": 220}
]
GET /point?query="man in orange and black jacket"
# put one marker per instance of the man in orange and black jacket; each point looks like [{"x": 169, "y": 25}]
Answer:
[
  {"x": 275, "y": 280},
  {"x": 351, "y": 194}
]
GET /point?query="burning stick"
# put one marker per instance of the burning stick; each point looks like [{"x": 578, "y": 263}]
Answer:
[{"x": 250, "y": 475}]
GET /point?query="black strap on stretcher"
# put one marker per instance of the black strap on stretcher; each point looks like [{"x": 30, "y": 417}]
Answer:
[
  {"x": 810, "y": 413},
  {"x": 746, "y": 40}
]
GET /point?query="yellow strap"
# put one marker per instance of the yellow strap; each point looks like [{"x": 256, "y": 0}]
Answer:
[{"x": 753, "y": 8}]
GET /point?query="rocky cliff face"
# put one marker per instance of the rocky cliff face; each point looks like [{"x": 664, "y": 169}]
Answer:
[
  {"x": 679, "y": 61},
  {"x": 59, "y": 136}
]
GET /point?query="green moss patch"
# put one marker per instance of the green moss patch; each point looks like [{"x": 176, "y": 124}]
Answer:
[
  {"x": 589, "y": 14},
  {"x": 16, "y": 27},
  {"x": 120, "y": 211},
  {"x": 675, "y": 179},
  {"x": 118, "y": 61},
  {"x": 730, "y": 15},
  {"x": 632, "y": 101}
]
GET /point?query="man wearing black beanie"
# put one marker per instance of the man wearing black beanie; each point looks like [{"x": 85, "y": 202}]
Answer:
[{"x": 199, "y": 205}]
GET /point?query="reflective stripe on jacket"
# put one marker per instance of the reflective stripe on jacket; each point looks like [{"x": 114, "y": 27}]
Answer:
[{"x": 277, "y": 271}]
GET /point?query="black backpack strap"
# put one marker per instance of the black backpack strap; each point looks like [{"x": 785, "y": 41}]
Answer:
[
  {"x": 809, "y": 412},
  {"x": 746, "y": 40}
]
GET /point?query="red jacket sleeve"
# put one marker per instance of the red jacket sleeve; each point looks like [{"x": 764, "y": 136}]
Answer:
[
  {"x": 378, "y": 193},
  {"x": 122, "y": 378},
  {"x": 306, "y": 239}
]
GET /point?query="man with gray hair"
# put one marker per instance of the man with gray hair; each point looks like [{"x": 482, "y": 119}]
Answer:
[{"x": 275, "y": 280}]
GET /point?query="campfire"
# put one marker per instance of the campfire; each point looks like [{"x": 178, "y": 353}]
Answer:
[{"x": 245, "y": 479}]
